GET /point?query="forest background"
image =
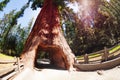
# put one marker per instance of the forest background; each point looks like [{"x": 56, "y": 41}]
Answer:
[{"x": 87, "y": 28}]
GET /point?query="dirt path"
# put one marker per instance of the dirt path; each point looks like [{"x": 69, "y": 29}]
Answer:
[{"x": 53, "y": 74}]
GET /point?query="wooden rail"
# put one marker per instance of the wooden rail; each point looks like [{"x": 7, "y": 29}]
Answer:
[
  {"x": 100, "y": 56},
  {"x": 105, "y": 60},
  {"x": 7, "y": 70},
  {"x": 15, "y": 67},
  {"x": 98, "y": 66},
  {"x": 8, "y": 61}
]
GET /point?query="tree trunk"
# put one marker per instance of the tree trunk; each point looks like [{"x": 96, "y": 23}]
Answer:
[{"x": 47, "y": 35}]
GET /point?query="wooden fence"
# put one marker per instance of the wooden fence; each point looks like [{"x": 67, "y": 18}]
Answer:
[
  {"x": 7, "y": 71},
  {"x": 103, "y": 60},
  {"x": 99, "y": 56}
]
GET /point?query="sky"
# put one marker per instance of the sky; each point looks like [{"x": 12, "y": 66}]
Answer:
[
  {"x": 74, "y": 6},
  {"x": 17, "y": 5}
]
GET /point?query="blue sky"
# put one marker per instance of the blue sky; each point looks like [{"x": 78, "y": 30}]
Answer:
[{"x": 28, "y": 14}]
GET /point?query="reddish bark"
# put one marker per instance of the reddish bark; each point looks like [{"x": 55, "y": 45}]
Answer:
[{"x": 47, "y": 35}]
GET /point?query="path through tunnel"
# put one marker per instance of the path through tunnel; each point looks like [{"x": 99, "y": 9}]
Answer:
[{"x": 48, "y": 58}]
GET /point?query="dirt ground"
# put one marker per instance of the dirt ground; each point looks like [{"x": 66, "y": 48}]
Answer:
[{"x": 55, "y": 74}]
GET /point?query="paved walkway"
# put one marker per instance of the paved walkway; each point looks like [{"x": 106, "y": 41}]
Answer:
[{"x": 53, "y": 74}]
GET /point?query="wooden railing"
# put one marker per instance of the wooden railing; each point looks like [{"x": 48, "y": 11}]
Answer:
[
  {"x": 99, "y": 56},
  {"x": 104, "y": 60},
  {"x": 7, "y": 70}
]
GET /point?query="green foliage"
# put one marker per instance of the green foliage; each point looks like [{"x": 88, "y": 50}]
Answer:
[
  {"x": 22, "y": 34},
  {"x": 39, "y": 3},
  {"x": 8, "y": 23},
  {"x": 112, "y": 23},
  {"x": 3, "y": 4},
  {"x": 8, "y": 26},
  {"x": 15, "y": 40},
  {"x": 36, "y": 4},
  {"x": 105, "y": 31},
  {"x": 5, "y": 27}
]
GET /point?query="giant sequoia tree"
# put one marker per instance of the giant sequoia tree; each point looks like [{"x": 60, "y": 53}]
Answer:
[{"x": 47, "y": 35}]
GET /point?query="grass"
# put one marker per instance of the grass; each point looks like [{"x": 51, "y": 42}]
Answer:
[
  {"x": 90, "y": 56},
  {"x": 6, "y": 57},
  {"x": 95, "y": 55},
  {"x": 80, "y": 57},
  {"x": 114, "y": 49}
]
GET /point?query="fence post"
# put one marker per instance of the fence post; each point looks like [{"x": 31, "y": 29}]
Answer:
[
  {"x": 86, "y": 58},
  {"x": 18, "y": 62},
  {"x": 105, "y": 54}
]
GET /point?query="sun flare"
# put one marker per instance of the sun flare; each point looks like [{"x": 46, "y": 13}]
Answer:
[
  {"x": 108, "y": 0},
  {"x": 84, "y": 10}
]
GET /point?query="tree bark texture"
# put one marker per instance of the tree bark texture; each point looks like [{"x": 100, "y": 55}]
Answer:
[{"x": 47, "y": 35}]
